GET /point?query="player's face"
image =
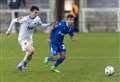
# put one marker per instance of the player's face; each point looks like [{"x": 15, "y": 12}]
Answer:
[
  {"x": 35, "y": 13},
  {"x": 70, "y": 21}
]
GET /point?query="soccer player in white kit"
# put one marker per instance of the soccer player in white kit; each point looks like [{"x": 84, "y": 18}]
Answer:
[{"x": 28, "y": 24}]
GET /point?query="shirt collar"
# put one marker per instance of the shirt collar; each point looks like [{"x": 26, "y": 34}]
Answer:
[
  {"x": 31, "y": 17},
  {"x": 67, "y": 23}
]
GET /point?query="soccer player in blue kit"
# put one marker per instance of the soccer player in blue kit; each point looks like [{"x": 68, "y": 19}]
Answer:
[{"x": 56, "y": 38}]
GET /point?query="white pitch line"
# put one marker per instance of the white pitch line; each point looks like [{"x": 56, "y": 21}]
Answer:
[
  {"x": 68, "y": 57},
  {"x": 75, "y": 81}
]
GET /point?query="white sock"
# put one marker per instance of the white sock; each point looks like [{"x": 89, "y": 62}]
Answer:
[
  {"x": 20, "y": 64},
  {"x": 25, "y": 59}
]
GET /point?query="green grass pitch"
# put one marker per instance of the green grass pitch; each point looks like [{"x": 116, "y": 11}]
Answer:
[{"x": 85, "y": 62}]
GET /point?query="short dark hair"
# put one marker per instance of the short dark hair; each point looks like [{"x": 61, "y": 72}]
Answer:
[
  {"x": 34, "y": 8},
  {"x": 70, "y": 16}
]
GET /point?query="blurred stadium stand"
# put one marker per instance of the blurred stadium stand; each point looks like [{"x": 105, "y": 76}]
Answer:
[
  {"x": 99, "y": 15},
  {"x": 102, "y": 3},
  {"x": 94, "y": 15},
  {"x": 40, "y": 3}
]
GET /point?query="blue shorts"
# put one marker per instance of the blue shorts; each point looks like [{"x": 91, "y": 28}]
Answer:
[{"x": 55, "y": 49}]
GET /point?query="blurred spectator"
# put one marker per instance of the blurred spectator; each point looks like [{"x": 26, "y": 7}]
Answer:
[
  {"x": 15, "y": 4},
  {"x": 24, "y": 2},
  {"x": 74, "y": 12}
]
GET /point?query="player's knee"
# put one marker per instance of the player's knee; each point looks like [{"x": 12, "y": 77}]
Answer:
[
  {"x": 54, "y": 53},
  {"x": 54, "y": 57},
  {"x": 62, "y": 57},
  {"x": 31, "y": 50}
]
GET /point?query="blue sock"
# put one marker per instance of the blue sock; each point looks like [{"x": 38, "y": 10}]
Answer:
[
  {"x": 59, "y": 61},
  {"x": 50, "y": 58}
]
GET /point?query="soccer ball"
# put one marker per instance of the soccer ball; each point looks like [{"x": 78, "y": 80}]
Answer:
[{"x": 109, "y": 70}]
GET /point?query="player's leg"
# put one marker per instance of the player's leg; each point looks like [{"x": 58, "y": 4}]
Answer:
[
  {"x": 60, "y": 59},
  {"x": 62, "y": 51},
  {"x": 53, "y": 57},
  {"x": 29, "y": 51},
  {"x": 28, "y": 55},
  {"x": 58, "y": 62}
]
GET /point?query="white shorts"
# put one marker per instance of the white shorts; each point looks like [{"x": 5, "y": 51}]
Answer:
[{"x": 25, "y": 44}]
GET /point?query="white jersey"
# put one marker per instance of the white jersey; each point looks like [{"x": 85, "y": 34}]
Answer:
[{"x": 27, "y": 26}]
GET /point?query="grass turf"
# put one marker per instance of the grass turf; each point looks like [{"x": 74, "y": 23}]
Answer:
[{"x": 85, "y": 62}]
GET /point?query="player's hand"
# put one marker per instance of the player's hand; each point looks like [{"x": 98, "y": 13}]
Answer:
[
  {"x": 7, "y": 33},
  {"x": 74, "y": 38},
  {"x": 53, "y": 23},
  {"x": 49, "y": 40}
]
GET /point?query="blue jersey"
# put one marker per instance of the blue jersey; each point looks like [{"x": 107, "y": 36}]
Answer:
[{"x": 60, "y": 29}]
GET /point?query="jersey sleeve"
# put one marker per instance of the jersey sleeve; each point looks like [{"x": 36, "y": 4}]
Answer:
[
  {"x": 38, "y": 19},
  {"x": 19, "y": 20},
  {"x": 71, "y": 32},
  {"x": 11, "y": 25},
  {"x": 22, "y": 19}
]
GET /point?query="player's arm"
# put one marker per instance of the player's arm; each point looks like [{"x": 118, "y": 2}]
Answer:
[
  {"x": 44, "y": 25},
  {"x": 72, "y": 35},
  {"x": 51, "y": 28},
  {"x": 74, "y": 38},
  {"x": 19, "y": 20},
  {"x": 11, "y": 26},
  {"x": 49, "y": 34}
]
